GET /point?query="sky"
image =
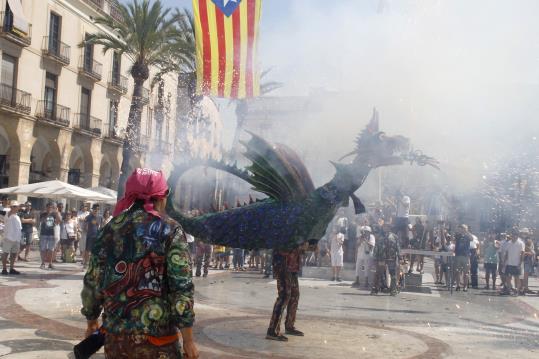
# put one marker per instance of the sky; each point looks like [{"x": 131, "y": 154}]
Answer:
[{"x": 459, "y": 77}]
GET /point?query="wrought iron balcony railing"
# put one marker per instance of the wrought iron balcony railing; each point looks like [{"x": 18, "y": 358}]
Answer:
[
  {"x": 84, "y": 121},
  {"x": 56, "y": 50},
  {"x": 162, "y": 146},
  {"x": 118, "y": 83},
  {"x": 52, "y": 112},
  {"x": 111, "y": 132},
  {"x": 15, "y": 99},
  {"x": 9, "y": 32},
  {"x": 90, "y": 68}
]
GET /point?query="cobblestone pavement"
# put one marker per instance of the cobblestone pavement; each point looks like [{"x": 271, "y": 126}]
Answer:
[{"x": 39, "y": 318}]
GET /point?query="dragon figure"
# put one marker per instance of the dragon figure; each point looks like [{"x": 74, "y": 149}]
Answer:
[{"x": 295, "y": 211}]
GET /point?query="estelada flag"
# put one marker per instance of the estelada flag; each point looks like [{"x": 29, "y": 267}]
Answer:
[{"x": 226, "y": 33}]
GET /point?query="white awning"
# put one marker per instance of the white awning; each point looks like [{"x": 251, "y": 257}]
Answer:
[{"x": 20, "y": 24}]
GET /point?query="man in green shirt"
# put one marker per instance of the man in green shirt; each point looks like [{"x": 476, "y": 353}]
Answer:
[{"x": 139, "y": 276}]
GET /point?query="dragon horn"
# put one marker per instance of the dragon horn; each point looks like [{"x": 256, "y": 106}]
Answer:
[{"x": 348, "y": 155}]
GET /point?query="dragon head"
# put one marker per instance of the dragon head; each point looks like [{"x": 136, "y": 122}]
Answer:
[{"x": 376, "y": 149}]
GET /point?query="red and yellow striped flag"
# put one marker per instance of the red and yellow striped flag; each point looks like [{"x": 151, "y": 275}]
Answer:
[{"x": 226, "y": 33}]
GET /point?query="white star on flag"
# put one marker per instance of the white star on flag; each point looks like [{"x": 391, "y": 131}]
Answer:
[{"x": 225, "y": 2}]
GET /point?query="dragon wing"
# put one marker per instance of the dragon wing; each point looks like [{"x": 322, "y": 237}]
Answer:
[{"x": 276, "y": 170}]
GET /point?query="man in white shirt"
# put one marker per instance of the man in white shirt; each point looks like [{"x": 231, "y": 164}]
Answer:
[
  {"x": 474, "y": 261},
  {"x": 12, "y": 239},
  {"x": 4, "y": 210},
  {"x": 365, "y": 265},
  {"x": 514, "y": 255}
]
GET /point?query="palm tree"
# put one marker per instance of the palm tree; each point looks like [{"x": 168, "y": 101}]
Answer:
[
  {"x": 241, "y": 108},
  {"x": 181, "y": 60},
  {"x": 145, "y": 36}
]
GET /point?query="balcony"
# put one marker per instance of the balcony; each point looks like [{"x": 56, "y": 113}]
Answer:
[
  {"x": 53, "y": 113},
  {"x": 88, "y": 124},
  {"x": 106, "y": 7},
  {"x": 162, "y": 146},
  {"x": 90, "y": 68},
  {"x": 56, "y": 50},
  {"x": 118, "y": 83},
  {"x": 14, "y": 99},
  {"x": 143, "y": 144},
  {"x": 110, "y": 133},
  {"x": 8, "y": 32}
]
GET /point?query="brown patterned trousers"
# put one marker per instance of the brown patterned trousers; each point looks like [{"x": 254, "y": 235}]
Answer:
[
  {"x": 287, "y": 297},
  {"x": 137, "y": 346}
]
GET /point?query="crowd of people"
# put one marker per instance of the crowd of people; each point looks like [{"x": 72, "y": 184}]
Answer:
[
  {"x": 376, "y": 240},
  {"x": 60, "y": 233}
]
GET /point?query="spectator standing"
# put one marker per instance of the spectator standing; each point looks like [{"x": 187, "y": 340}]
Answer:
[
  {"x": 474, "y": 261},
  {"x": 12, "y": 239},
  {"x": 490, "y": 259},
  {"x": 418, "y": 242},
  {"x": 387, "y": 256},
  {"x": 514, "y": 258},
  {"x": 4, "y": 211},
  {"x": 48, "y": 220},
  {"x": 203, "y": 257},
  {"x": 70, "y": 229},
  {"x": 81, "y": 234},
  {"x": 92, "y": 223},
  {"x": 529, "y": 260},
  {"x": 502, "y": 262},
  {"x": 28, "y": 220},
  {"x": 365, "y": 267},
  {"x": 237, "y": 259},
  {"x": 337, "y": 253},
  {"x": 106, "y": 216},
  {"x": 462, "y": 257}
]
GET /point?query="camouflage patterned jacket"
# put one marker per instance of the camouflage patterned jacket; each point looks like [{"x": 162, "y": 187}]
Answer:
[{"x": 139, "y": 275}]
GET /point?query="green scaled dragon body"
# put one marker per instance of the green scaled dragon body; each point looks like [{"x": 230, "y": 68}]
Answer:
[{"x": 295, "y": 211}]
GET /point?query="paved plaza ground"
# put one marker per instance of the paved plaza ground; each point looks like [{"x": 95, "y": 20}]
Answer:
[{"x": 39, "y": 318}]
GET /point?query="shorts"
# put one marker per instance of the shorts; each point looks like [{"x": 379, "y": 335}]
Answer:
[
  {"x": 46, "y": 242},
  {"x": 11, "y": 247},
  {"x": 491, "y": 267},
  {"x": 512, "y": 270},
  {"x": 90, "y": 241},
  {"x": 462, "y": 264},
  {"x": 26, "y": 238},
  {"x": 528, "y": 267}
]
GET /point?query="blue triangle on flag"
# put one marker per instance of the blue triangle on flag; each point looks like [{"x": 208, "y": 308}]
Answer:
[{"x": 227, "y": 6}]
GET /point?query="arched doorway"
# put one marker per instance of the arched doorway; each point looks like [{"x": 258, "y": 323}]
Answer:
[
  {"x": 44, "y": 161},
  {"x": 4, "y": 155},
  {"x": 80, "y": 168}
]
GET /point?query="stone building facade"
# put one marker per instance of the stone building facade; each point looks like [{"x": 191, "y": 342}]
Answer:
[{"x": 63, "y": 108}]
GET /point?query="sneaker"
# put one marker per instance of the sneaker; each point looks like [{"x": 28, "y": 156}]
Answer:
[
  {"x": 374, "y": 292},
  {"x": 393, "y": 293},
  {"x": 356, "y": 285},
  {"x": 277, "y": 337},
  {"x": 486, "y": 287},
  {"x": 339, "y": 279},
  {"x": 294, "y": 331},
  {"x": 14, "y": 271},
  {"x": 204, "y": 275},
  {"x": 51, "y": 267},
  {"x": 457, "y": 289},
  {"x": 266, "y": 275},
  {"x": 4, "y": 272},
  {"x": 42, "y": 266}
]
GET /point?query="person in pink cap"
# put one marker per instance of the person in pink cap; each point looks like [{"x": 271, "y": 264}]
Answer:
[{"x": 139, "y": 276}]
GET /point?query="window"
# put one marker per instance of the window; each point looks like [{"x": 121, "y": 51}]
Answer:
[
  {"x": 54, "y": 33},
  {"x": 88, "y": 55},
  {"x": 116, "y": 67},
  {"x": 113, "y": 117},
  {"x": 8, "y": 77},
  {"x": 51, "y": 86},
  {"x": 85, "y": 105}
]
